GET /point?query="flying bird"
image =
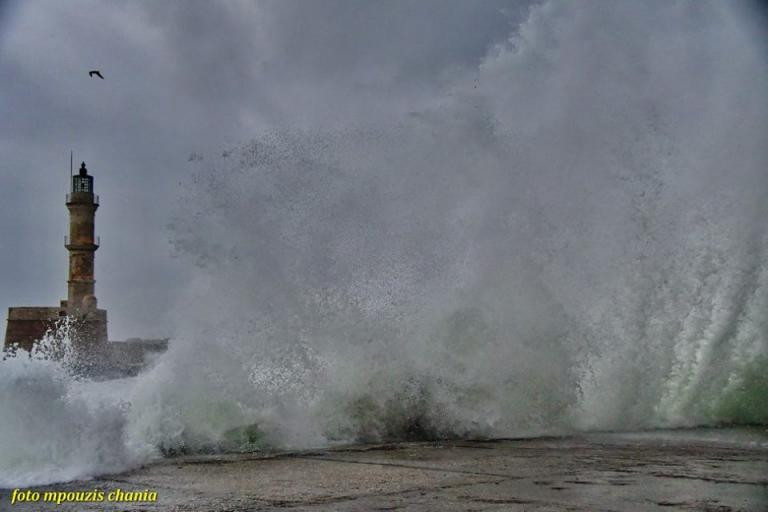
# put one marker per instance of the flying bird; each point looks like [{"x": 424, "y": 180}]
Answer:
[{"x": 95, "y": 72}]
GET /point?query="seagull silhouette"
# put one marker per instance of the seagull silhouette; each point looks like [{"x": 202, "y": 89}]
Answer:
[{"x": 95, "y": 72}]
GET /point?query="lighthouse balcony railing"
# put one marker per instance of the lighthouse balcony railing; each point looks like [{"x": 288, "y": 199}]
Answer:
[
  {"x": 96, "y": 241},
  {"x": 95, "y": 197}
]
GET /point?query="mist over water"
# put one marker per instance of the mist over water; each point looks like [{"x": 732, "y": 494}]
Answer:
[{"x": 570, "y": 237}]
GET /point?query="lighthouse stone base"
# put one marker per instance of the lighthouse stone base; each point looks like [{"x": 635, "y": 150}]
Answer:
[
  {"x": 98, "y": 357},
  {"x": 26, "y": 325}
]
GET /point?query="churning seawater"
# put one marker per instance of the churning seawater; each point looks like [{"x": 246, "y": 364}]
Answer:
[{"x": 571, "y": 237}]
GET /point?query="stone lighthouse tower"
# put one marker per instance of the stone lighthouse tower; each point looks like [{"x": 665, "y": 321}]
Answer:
[
  {"x": 82, "y": 244},
  {"x": 28, "y": 324}
]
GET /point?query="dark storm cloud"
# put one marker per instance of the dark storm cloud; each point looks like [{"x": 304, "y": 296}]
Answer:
[
  {"x": 186, "y": 77},
  {"x": 310, "y": 62}
]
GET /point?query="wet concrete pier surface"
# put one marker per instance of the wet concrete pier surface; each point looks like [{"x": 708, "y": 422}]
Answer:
[{"x": 596, "y": 472}]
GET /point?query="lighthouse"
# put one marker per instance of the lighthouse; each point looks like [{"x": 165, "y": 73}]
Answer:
[
  {"x": 82, "y": 243},
  {"x": 29, "y": 324}
]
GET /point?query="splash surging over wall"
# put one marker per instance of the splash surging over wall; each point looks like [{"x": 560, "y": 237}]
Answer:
[{"x": 572, "y": 237}]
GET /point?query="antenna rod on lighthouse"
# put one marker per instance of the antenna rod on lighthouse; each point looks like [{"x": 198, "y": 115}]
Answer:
[{"x": 70, "y": 163}]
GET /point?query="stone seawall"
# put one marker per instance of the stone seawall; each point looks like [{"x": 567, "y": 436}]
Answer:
[{"x": 117, "y": 359}]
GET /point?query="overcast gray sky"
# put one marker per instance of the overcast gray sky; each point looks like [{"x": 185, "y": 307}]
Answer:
[{"x": 184, "y": 77}]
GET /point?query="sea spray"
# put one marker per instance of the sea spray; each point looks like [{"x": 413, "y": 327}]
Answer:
[
  {"x": 55, "y": 425},
  {"x": 555, "y": 244}
]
